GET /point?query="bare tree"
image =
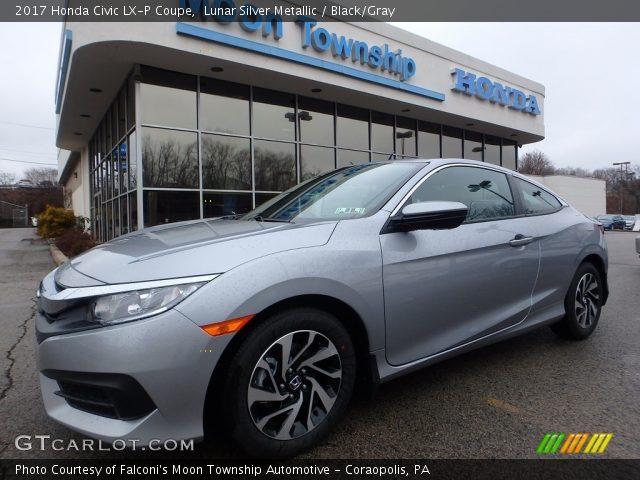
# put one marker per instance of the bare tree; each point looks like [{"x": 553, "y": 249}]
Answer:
[
  {"x": 7, "y": 178},
  {"x": 536, "y": 163},
  {"x": 42, "y": 176}
]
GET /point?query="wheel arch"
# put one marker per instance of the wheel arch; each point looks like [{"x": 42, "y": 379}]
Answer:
[
  {"x": 367, "y": 379},
  {"x": 598, "y": 262}
]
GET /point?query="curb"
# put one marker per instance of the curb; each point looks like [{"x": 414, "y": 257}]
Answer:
[{"x": 58, "y": 257}]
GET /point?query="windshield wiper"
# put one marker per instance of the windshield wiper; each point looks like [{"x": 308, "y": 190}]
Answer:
[{"x": 260, "y": 218}]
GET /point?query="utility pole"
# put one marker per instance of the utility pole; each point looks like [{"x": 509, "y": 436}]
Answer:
[{"x": 626, "y": 165}]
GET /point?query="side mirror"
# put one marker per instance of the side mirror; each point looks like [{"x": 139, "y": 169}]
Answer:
[{"x": 427, "y": 216}]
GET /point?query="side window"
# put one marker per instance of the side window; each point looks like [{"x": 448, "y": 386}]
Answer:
[
  {"x": 486, "y": 192},
  {"x": 536, "y": 200}
]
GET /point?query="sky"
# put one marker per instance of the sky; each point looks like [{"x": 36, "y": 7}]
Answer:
[{"x": 590, "y": 72}]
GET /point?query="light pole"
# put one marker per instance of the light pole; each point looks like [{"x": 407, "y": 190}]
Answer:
[
  {"x": 626, "y": 165},
  {"x": 403, "y": 136}
]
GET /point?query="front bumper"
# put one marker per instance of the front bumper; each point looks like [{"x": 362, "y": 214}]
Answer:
[{"x": 168, "y": 356}]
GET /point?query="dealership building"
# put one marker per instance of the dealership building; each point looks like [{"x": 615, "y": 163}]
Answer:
[{"x": 163, "y": 122}]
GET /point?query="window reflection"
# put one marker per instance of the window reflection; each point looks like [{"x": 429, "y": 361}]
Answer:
[
  {"x": 492, "y": 150},
  {"x": 219, "y": 204},
  {"x": 167, "y": 207},
  {"x": 315, "y": 118},
  {"x": 405, "y": 136},
  {"x": 428, "y": 140},
  {"x": 382, "y": 132},
  {"x": 473, "y": 146},
  {"x": 315, "y": 160},
  {"x": 133, "y": 163},
  {"x": 169, "y": 158},
  {"x": 353, "y": 127},
  {"x": 451, "y": 142},
  {"x": 224, "y": 107},
  {"x": 274, "y": 115},
  {"x": 275, "y": 165},
  {"x": 226, "y": 162},
  {"x": 352, "y": 157},
  {"x": 168, "y": 98},
  {"x": 509, "y": 154}
]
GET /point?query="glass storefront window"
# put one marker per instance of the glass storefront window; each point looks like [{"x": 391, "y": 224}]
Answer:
[
  {"x": 162, "y": 206},
  {"x": 233, "y": 153},
  {"x": 124, "y": 214},
  {"x": 264, "y": 197},
  {"x": 315, "y": 161},
  {"x": 492, "y": 150},
  {"x": 274, "y": 115},
  {"x": 131, "y": 103},
  {"x": 473, "y": 147},
  {"x": 275, "y": 165},
  {"x": 225, "y": 203},
  {"x": 132, "y": 154},
  {"x": 116, "y": 172},
  {"x": 509, "y": 154},
  {"x": 428, "y": 140},
  {"x": 116, "y": 217},
  {"x": 226, "y": 162},
  {"x": 108, "y": 139},
  {"x": 133, "y": 211},
  {"x": 315, "y": 118},
  {"x": 405, "y": 137},
  {"x": 382, "y": 132},
  {"x": 115, "y": 137},
  {"x": 168, "y": 99},
  {"x": 169, "y": 158},
  {"x": 224, "y": 107},
  {"x": 451, "y": 142},
  {"x": 352, "y": 127},
  {"x": 122, "y": 113},
  {"x": 352, "y": 157}
]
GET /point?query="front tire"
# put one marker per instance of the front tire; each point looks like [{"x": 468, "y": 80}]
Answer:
[
  {"x": 583, "y": 304},
  {"x": 289, "y": 383}
]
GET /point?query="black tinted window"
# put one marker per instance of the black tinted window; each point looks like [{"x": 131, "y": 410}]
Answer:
[
  {"x": 536, "y": 200},
  {"x": 485, "y": 192}
]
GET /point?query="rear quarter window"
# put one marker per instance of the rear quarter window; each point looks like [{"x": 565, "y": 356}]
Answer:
[{"x": 537, "y": 201}]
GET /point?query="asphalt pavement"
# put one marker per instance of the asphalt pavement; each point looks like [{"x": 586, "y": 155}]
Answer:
[{"x": 496, "y": 402}]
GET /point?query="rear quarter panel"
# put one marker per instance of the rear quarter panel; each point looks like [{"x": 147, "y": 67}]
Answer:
[{"x": 566, "y": 238}]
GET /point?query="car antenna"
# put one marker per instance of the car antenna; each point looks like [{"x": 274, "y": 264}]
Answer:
[{"x": 390, "y": 156}]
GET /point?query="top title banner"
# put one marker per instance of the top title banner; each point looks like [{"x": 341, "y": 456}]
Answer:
[{"x": 324, "y": 10}]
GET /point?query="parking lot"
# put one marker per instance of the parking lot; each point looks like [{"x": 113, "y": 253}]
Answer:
[{"x": 497, "y": 402}]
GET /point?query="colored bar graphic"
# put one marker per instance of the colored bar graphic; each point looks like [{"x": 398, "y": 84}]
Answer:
[
  {"x": 605, "y": 442},
  {"x": 543, "y": 443},
  {"x": 567, "y": 443},
  {"x": 581, "y": 442},
  {"x": 572, "y": 443}
]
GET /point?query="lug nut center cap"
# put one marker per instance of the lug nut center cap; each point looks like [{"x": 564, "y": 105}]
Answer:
[{"x": 295, "y": 383}]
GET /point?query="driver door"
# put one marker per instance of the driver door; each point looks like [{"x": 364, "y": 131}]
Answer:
[{"x": 445, "y": 288}]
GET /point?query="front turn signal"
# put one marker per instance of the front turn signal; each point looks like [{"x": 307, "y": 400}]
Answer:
[{"x": 226, "y": 327}]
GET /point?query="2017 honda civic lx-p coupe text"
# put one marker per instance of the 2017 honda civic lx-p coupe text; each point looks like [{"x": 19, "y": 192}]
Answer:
[{"x": 261, "y": 324}]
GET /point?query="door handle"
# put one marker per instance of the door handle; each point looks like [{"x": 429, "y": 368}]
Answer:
[{"x": 519, "y": 240}]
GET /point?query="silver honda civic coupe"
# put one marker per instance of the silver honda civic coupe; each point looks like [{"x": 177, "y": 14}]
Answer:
[{"x": 262, "y": 325}]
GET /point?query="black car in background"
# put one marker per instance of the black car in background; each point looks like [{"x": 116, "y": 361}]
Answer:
[{"x": 612, "y": 222}]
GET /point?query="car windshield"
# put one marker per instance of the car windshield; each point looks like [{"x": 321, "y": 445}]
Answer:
[
  {"x": 605, "y": 217},
  {"x": 349, "y": 192}
]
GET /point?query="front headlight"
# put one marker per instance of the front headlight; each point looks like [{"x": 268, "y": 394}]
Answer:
[{"x": 133, "y": 305}]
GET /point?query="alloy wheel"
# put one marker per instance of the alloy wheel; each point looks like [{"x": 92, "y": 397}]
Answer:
[
  {"x": 294, "y": 385},
  {"x": 587, "y": 300}
]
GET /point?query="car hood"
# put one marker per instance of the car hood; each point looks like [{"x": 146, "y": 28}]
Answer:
[{"x": 187, "y": 249}]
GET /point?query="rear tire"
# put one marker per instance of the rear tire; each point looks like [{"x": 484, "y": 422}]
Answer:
[
  {"x": 583, "y": 304},
  {"x": 289, "y": 382}
]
